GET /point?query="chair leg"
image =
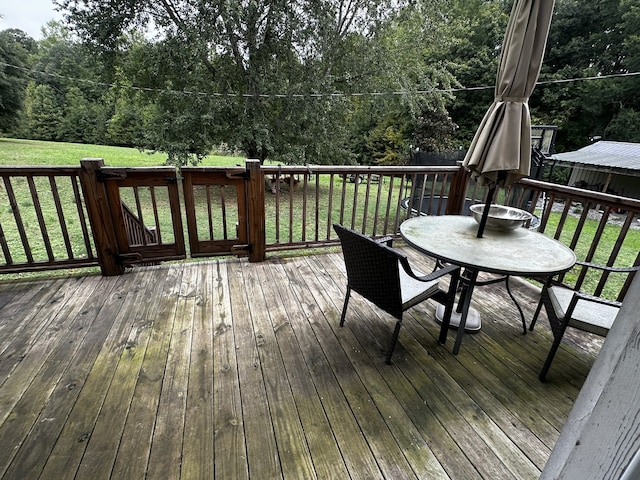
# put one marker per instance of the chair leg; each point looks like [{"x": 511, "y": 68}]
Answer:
[
  {"x": 396, "y": 332},
  {"x": 449, "y": 300},
  {"x": 344, "y": 308},
  {"x": 535, "y": 316},
  {"x": 446, "y": 321},
  {"x": 547, "y": 362}
]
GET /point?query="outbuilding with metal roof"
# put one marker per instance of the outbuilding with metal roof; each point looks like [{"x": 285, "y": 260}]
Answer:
[{"x": 605, "y": 166}]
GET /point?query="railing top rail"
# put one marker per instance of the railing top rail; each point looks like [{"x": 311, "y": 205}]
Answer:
[
  {"x": 614, "y": 201},
  {"x": 140, "y": 170},
  {"x": 364, "y": 170},
  {"x": 39, "y": 170},
  {"x": 222, "y": 168}
]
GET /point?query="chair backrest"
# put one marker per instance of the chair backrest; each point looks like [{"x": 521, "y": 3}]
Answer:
[{"x": 372, "y": 270}]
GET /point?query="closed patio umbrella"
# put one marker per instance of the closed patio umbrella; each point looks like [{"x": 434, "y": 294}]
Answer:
[{"x": 500, "y": 153}]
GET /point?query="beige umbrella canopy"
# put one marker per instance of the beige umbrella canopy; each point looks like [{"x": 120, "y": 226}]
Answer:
[{"x": 500, "y": 153}]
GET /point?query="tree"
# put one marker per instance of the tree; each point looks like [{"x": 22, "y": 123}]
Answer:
[
  {"x": 42, "y": 112},
  {"x": 79, "y": 122},
  {"x": 76, "y": 80},
  {"x": 475, "y": 31},
  {"x": 249, "y": 65},
  {"x": 591, "y": 39},
  {"x": 15, "y": 47},
  {"x": 406, "y": 60}
]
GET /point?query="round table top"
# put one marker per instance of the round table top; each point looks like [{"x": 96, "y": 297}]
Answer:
[{"x": 453, "y": 238}]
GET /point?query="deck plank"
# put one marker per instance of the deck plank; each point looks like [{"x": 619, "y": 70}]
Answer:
[
  {"x": 318, "y": 346},
  {"x": 198, "y": 458},
  {"x": 270, "y": 331},
  {"x": 288, "y": 319},
  {"x": 165, "y": 458},
  {"x": 36, "y": 420},
  {"x": 28, "y": 316},
  {"x": 229, "y": 369},
  {"x": 92, "y": 376},
  {"x": 229, "y": 450},
  {"x": 262, "y": 450},
  {"x": 99, "y": 457},
  {"x": 133, "y": 451}
]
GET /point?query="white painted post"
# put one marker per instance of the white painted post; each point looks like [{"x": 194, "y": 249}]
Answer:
[{"x": 600, "y": 439}]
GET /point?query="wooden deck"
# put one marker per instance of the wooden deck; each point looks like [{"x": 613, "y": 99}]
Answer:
[{"x": 233, "y": 370}]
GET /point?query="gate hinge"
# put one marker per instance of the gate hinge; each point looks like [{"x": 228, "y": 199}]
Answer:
[
  {"x": 128, "y": 258},
  {"x": 104, "y": 175},
  {"x": 243, "y": 174},
  {"x": 241, "y": 250}
]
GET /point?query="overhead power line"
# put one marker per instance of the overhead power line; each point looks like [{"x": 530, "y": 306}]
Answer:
[{"x": 311, "y": 95}]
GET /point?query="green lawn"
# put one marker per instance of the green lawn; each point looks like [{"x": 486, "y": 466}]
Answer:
[{"x": 16, "y": 152}]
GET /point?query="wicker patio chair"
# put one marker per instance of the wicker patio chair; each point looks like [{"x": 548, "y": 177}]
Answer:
[
  {"x": 570, "y": 308},
  {"x": 373, "y": 271}
]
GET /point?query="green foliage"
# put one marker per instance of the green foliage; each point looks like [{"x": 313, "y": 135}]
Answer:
[
  {"x": 250, "y": 51},
  {"x": 125, "y": 125},
  {"x": 385, "y": 142},
  {"x": 42, "y": 112},
  {"x": 475, "y": 30},
  {"x": 249, "y": 74},
  {"x": 77, "y": 123},
  {"x": 586, "y": 40},
  {"x": 15, "y": 47}
]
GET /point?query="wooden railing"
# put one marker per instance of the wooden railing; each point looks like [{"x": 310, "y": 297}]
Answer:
[
  {"x": 56, "y": 217},
  {"x": 43, "y": 220},
  {"x": 600, "y": 228},
  {"x": 138, "y": 233},
  {"x": 302, "y": 203}
]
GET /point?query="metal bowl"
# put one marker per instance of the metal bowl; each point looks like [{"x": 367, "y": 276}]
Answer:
[{"x": 501, "y": 217}]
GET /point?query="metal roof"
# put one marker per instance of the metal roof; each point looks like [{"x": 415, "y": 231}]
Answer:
[{"x": 620, "y": 157}]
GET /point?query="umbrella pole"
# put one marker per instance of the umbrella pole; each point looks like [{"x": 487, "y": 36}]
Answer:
[{"x": 485, "y": 211}]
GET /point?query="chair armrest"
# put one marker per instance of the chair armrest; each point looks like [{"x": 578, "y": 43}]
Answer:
[
  {"x": 592, "y": 298},
  {"x": 608, "y": 268},
  {"x": 386, "y": 240},
  {"x": 446, "y": 270}
]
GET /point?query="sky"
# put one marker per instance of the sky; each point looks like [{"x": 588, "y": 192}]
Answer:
[{"x": 27, "y": 15}]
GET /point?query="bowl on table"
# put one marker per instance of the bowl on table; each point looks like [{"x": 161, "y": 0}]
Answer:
[{"x": 501, "y": 217}]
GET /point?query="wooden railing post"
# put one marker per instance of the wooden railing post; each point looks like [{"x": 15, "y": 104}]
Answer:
[
  {"x": 95, "y": 197},
  {"x": 457, "y": 191},
  {"x": 255, "y": 212}
]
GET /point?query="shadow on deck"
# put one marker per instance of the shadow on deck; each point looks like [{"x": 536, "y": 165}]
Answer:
[{"x": 234, "y": 370}]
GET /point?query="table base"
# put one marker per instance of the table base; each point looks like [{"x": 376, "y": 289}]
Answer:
[{"x": 473, "y": 324}]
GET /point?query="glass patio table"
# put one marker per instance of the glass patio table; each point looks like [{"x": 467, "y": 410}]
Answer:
[{"x": 519, "y": 252}]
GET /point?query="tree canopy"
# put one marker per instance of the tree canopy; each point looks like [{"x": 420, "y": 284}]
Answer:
[
  {"x": 308, "y": 81},
  {"x": 15, "y": 47}
]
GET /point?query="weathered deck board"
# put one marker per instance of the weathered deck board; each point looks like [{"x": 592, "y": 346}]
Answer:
[
  {"x": 135, "y": 444},
  {"x": 226, "y": 369},
  {"x": 446, "y": 401},
  {"x": 288, "y": 320}
]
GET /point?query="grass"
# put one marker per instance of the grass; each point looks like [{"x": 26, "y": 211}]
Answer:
[
  {"x": 17, "y": 152},
  {"x": 628, "y": 251}
]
